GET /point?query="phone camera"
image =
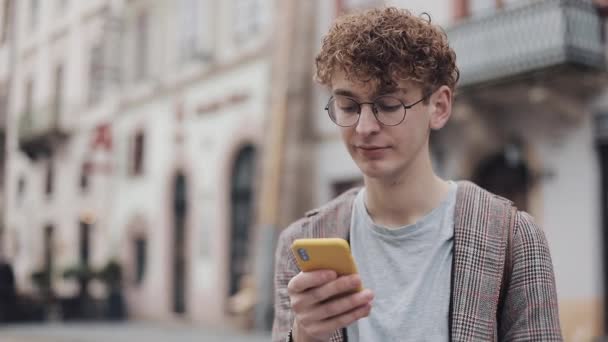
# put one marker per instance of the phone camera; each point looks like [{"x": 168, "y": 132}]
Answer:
[{"x": 303, "y": 254}]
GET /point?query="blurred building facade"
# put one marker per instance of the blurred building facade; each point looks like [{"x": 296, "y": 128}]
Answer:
[
  {"x": 44, "y": 63},
  {"x": 7, "y": 60},
  {"x": 532, "y": 77},
  {"x": 135, "y": 126},
  {"x": 136, "y": 131}
]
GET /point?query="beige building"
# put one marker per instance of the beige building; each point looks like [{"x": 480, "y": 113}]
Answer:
[
  {"x": 7, "y": 58},
  {"x": 53, "y": 114},
  {"x": 136, "y": 130},
  {"x": 135, "y": 126}
]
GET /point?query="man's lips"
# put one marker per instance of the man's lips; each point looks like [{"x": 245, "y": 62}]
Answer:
[
  {"x": 372, "y": 151},
  {"x": 370, "y": 148}
]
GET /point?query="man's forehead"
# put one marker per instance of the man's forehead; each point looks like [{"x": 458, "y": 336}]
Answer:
[{"x": 342, "y": 83}]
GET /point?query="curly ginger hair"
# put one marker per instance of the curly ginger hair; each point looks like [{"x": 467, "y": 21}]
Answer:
[{"x": 386, "y": 46}]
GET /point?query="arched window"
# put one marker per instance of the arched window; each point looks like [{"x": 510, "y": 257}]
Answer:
[
  {"x": 85, "y": 242},
  {"x": 48, "y": 253},
  {"x": 138, "y": 154},
  {"x": 241, "y": 213},
  {"x": 180, "y": 210},
  {"x": 505, "y": 174},
  {"x": 49, "y": 177},
  {"x": 140, "y": 248}
]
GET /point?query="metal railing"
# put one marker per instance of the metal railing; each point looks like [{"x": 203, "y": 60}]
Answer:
[
  {"x": 38, "y": 123},
  {"x": 528, "y": 37}
]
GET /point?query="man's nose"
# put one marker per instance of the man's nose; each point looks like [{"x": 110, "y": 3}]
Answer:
[{"x": 368, "y": 124}]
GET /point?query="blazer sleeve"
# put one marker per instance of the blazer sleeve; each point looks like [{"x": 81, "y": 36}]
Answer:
[
  {"x": 530, "y": 310},
  {"x": 285, "y": 269}
]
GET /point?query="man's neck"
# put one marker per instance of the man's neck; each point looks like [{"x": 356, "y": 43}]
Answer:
[{"x": 404, "y": 200}]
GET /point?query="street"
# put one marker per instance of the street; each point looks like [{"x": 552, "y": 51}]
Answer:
[{"x": 121, "y": 332}]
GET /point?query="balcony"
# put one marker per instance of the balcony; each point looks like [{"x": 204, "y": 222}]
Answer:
[
  {"x": 541, "y": 56},
  {"x": 40, "y": 131},
  {"x": 528, "y": 38}
]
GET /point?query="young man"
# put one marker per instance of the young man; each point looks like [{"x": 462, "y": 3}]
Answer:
[{"x": 439, "y": 260}]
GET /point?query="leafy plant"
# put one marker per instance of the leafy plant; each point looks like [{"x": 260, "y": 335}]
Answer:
[
  {"x": 80, "y": 272},
  {"x": 111, "y": 274},
  {"x": 42, "y": 279}
]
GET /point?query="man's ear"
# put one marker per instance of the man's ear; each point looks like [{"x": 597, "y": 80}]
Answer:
[{"x": 441, "y": 107}]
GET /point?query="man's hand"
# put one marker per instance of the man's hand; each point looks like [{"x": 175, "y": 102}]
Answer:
[{"x": 324, "y": 303}]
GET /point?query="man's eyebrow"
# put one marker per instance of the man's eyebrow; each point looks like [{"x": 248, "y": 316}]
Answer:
[
  {"x": 344, "y": 92},
  {"x": 400, "y": 90},
  {"x": 392, "y": 91}
]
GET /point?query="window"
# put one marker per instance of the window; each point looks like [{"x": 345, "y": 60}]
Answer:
[
  {"x": 241, "y": 212},
  {"x": 180, "y": 239},
  {"x": 58, "y": 96},
  {"x": 29, "y": 97},
  {"x": 84, "y": 246},
  {"x": 96, "y": 73},
  {"x": 506, "y": 174},
  {"x": 34, "y": 9},
  {"x": 20, "y": 188},
  {"x": 345, "y": 6},
  {"x": 48, "y": 251},
  {"x": 247, "y": 19},
  {"x": 62, "y": 6},
  {"x": 138, "y": 153},
  {"x": 141, "y": 47},
  {"x": 3, "y": 106},
  {"x": 49, "y": 178},
  {"x": 85, "y": 172},
  {"x": 3, "y": 238},
  {"x": 140, "y": 259},
  {"x": 477, "y": 7},
  {"x": 190, "y": 31},
  {"x": 7, "y": 16},
  {"x": 3, "y": 117},
  {"x": 465, "y": 8},
  {"x": 28, "y": 105}
]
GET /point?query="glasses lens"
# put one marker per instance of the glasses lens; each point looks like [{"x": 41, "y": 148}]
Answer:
[
  {"x": 391, "y": 111},
  {"x": 343, "y": 111}
]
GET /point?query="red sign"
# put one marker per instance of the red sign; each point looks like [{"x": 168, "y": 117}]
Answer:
[{"x": 103, "y": 137}]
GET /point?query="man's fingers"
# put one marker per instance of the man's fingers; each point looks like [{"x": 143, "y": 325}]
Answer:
[
  {"x": 307, "y": 280},
  {"x": 324, "y": 302},
  {"x": 339, "y": 306},
  {"x": 337, "y": 287},
  {"x": 340, "y": 321}
]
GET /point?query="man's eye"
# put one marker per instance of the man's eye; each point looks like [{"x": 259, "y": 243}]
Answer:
[
  {"x": 348, "y": 109},
  {"x": 388, "y": 107}
]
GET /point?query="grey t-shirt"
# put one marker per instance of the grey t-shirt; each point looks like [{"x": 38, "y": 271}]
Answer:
[{"x": 409, "y": 271}]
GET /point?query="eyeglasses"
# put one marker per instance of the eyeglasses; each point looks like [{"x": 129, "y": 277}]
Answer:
[{"x": 388, "y": 110}]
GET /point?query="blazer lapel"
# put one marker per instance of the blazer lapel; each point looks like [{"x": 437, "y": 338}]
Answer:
[
  {"x": 334, "y": 219},
  {"x": 480, "y": 235}
]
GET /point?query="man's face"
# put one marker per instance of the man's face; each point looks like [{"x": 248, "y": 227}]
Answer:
[{"x": 381, "y": 151}]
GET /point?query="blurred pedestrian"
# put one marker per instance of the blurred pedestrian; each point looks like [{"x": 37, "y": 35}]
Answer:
[{"x": 439, "y": 260}]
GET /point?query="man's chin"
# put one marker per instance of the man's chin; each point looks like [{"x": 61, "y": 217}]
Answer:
[{"x": 375, "y": 170}]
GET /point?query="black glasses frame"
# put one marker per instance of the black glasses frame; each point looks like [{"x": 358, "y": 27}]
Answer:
[{"x": 374, "y": 109}]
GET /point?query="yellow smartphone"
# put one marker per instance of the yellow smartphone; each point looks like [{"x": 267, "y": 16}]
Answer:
[{"x": 324, "y": 254}]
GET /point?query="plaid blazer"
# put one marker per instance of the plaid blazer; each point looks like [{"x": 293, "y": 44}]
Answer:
[{"x": 503, "y": 287}]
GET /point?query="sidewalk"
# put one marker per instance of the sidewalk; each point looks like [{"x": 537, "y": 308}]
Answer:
[{"x": 121, "y": 332}]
